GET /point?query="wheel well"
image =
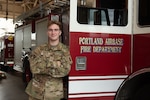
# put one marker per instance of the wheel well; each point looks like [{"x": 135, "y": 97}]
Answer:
[{"x": 135, "y": 87}]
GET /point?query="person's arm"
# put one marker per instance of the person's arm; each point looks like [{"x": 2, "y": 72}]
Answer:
[
  {"x": 37, "y": 62},
  {"x": 47, "y": 63},
  {"x": 60, "y": 67}
]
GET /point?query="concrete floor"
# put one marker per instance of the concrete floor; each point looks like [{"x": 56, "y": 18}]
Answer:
[{"x": 12, "y": 88}]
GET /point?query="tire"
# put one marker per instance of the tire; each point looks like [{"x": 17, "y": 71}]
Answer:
[{"x": 142, "y": 93}]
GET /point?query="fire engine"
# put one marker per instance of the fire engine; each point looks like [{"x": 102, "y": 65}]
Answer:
[
  {"x": 7, "y": 52},
  {"x": 109, "y": 42}
]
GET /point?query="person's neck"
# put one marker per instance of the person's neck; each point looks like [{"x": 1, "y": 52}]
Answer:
[{"x": 53, "y": 43}]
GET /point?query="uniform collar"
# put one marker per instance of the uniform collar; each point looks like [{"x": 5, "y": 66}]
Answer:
[{"x": 57, "y": 47}]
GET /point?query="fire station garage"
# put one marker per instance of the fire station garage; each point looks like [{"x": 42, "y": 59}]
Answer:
[
  {"x": 108, "y": 44},
  {"x": 17, "y": 37}
]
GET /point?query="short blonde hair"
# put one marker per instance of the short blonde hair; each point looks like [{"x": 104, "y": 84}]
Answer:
[{"x": 54, "y": 22}]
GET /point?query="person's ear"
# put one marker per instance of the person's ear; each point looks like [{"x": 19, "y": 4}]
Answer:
[{"x": 60, "y": 32}]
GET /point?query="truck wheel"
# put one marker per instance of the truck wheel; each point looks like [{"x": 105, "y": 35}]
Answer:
[{"x": 142, "y": 93}]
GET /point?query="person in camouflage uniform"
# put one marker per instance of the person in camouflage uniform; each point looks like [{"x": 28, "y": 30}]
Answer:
[{"x": 49, "y": 63}]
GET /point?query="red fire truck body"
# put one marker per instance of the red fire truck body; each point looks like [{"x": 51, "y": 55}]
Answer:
[
  {"x": 109, "y": 61},
  {"x": 107, "y": 64},
  {"x": 8, "y": 51}
]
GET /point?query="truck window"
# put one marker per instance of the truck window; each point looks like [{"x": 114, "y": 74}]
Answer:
[
  {"x": 144, "y": 12},
  {"x": 102, "y": 12}
]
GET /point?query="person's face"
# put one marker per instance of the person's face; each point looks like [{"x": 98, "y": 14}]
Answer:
[{"x": 54, "y": 32}]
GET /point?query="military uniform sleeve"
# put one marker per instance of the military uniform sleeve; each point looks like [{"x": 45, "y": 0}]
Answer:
[
  {"x": 60, "y": 67},
  {"x": 37, "y": 62}
]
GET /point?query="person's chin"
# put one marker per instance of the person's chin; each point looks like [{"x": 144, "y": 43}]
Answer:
[{"x": 53, "y": 39}]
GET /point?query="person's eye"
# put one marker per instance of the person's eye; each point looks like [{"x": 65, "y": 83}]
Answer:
[
  {"x": 56, "y": 29},
  {"x": 50, "y": 30}
]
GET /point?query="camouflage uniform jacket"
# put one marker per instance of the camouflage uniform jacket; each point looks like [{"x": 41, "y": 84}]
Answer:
[{"x": 48, "y": 65}]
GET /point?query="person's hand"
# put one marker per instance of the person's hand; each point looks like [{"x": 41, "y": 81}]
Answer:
[{"x": 58, "y": 63}]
